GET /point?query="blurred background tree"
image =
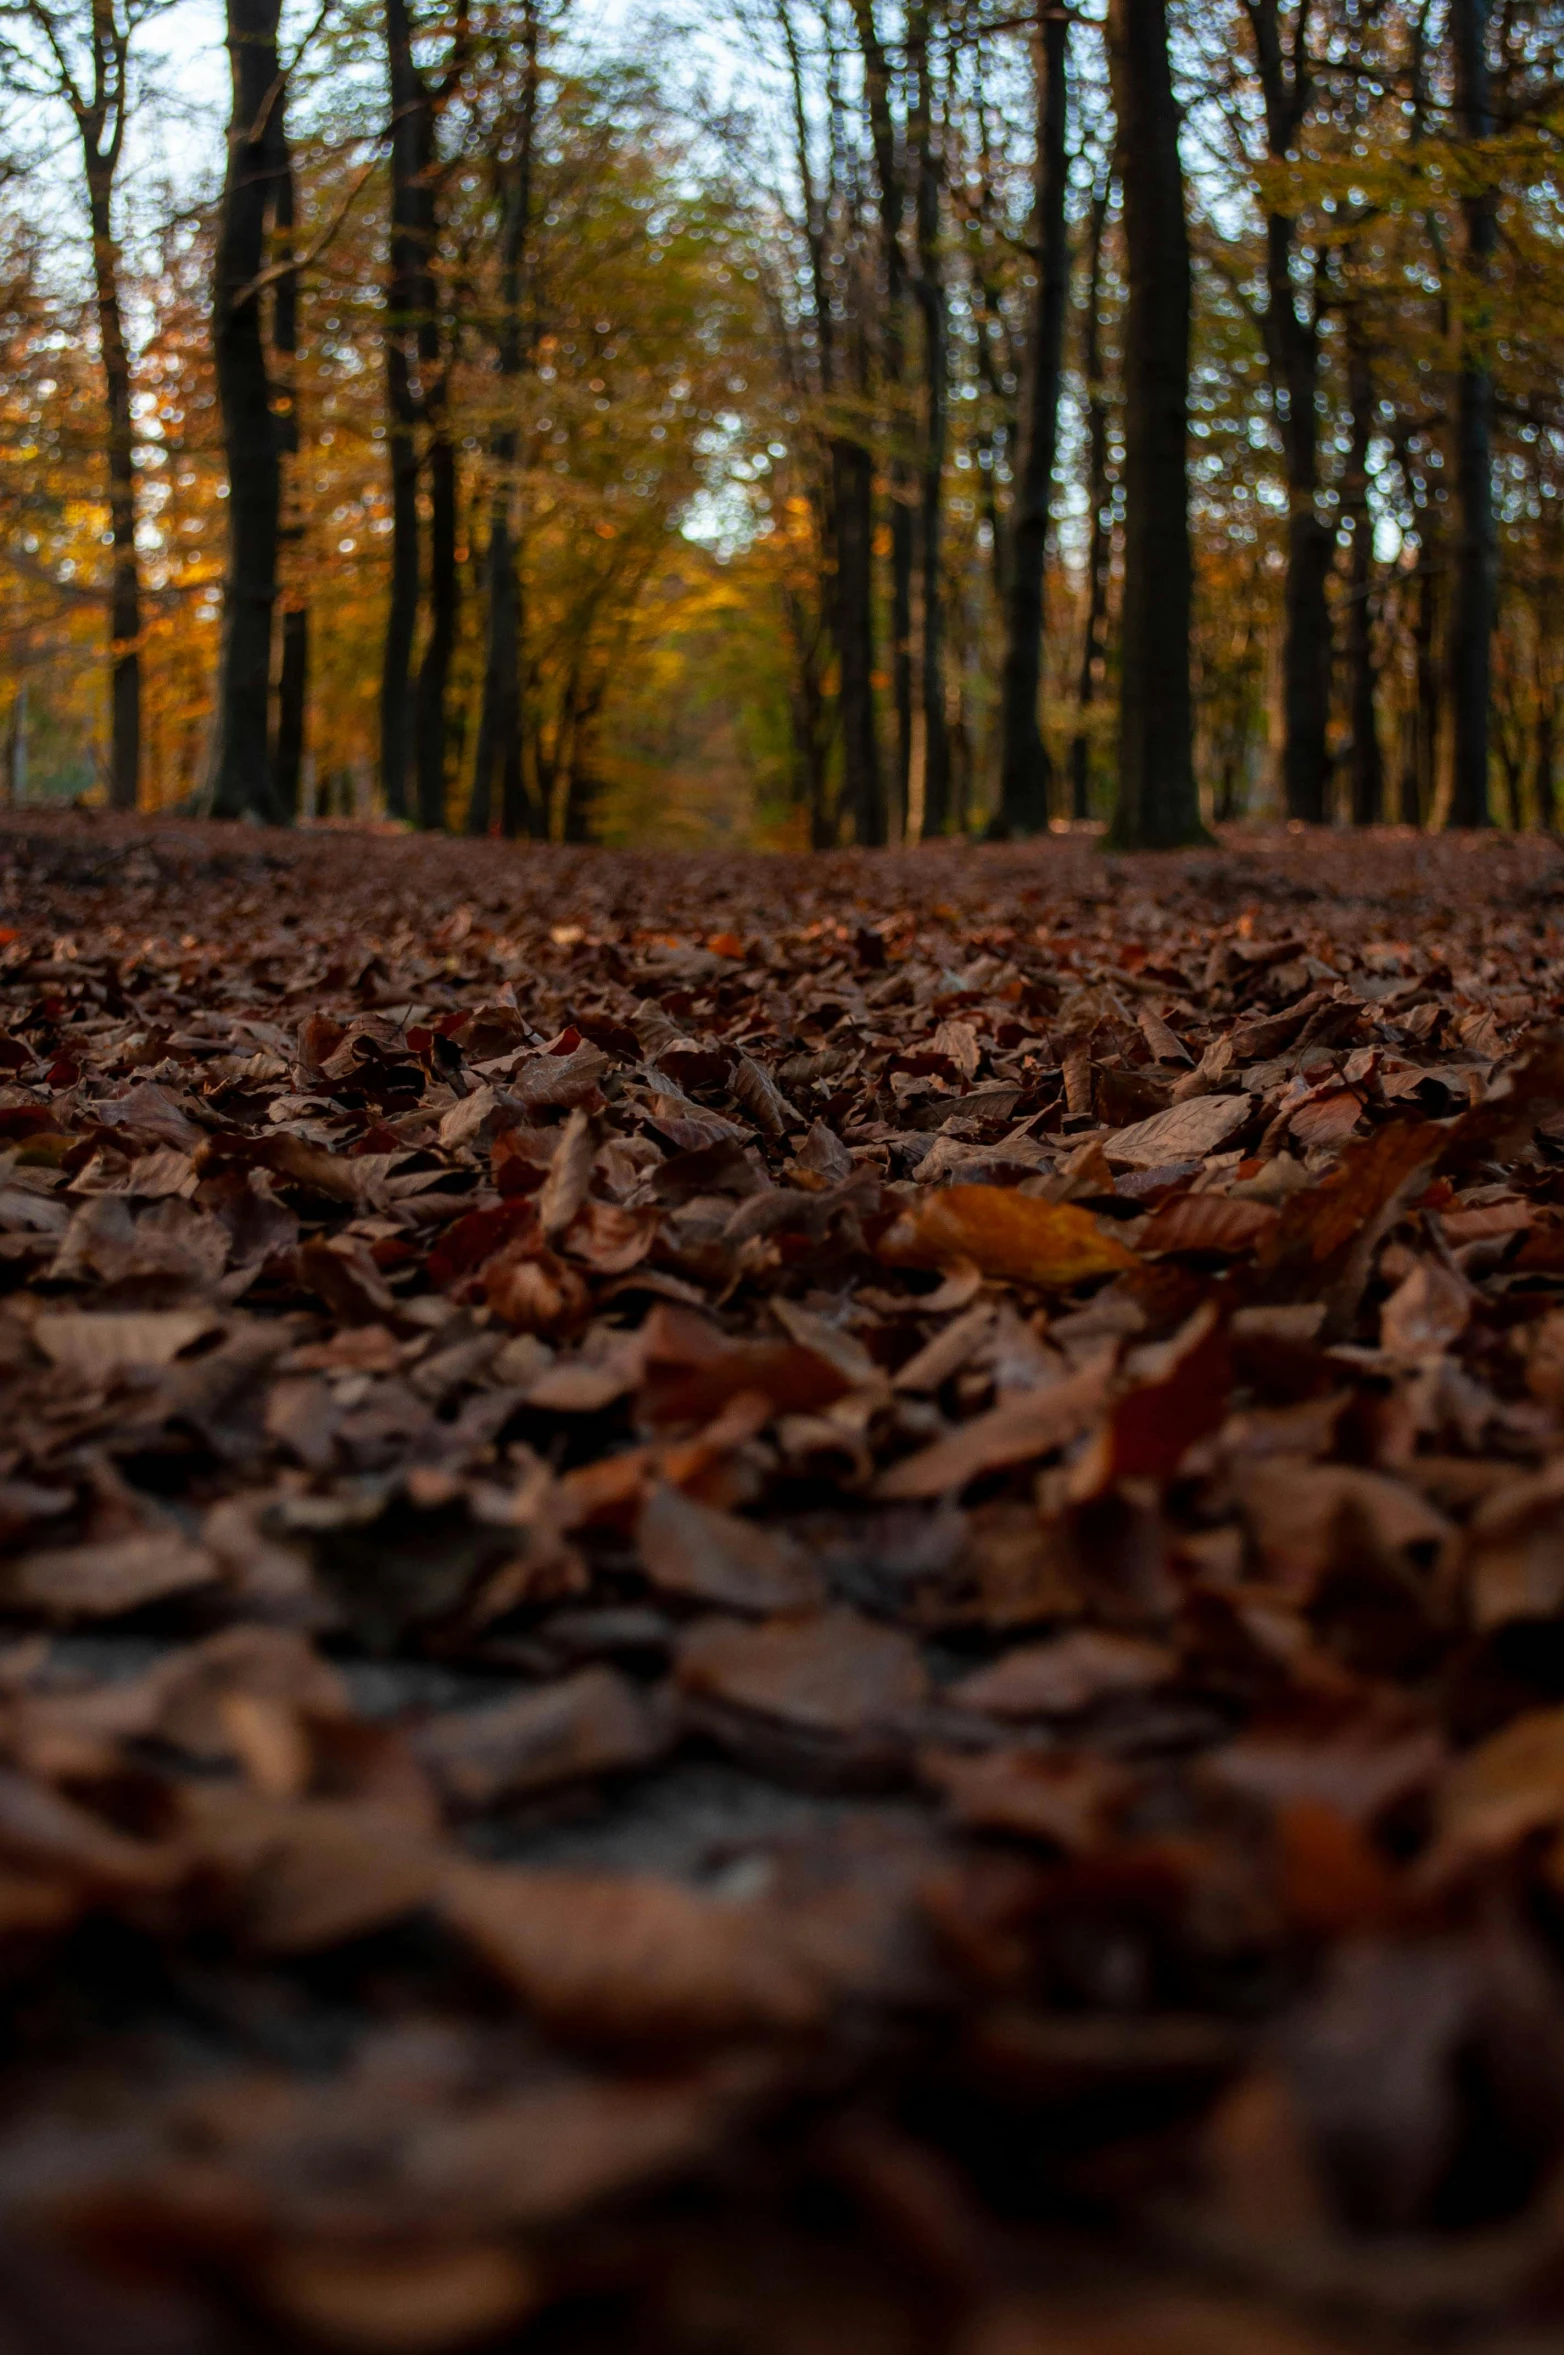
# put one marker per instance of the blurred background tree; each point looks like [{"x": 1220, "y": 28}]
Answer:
[{"x": 720, "y": 430}]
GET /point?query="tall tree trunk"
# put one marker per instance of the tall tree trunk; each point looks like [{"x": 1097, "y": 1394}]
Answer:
[
  {"x": 809, "y": 714},
  {"x": 500, "y": 723},
  {"x": 396, "y": 700},
  {"x": 848, "y": 499},
  {"x": 1428, "y": 710},
  {"x": 434, "y": 672},
  {"x": 294, "y": 668},
  {"x": 932, "y": 307},
  {"x": 1545, "y": 788},
  {"x": 1100, "y": 546},
  {"x": 241, "y": 771},
  {"x": 1368, "y": 773},
  {"x": 852, "y": 509},
  {"x": 1157, "y": 804},
  {"x": 1476, "y": 569},
  {"x": 891, "y": 190},
  {"x": 1293, "y": 354},
  {"x": 409, "y": 304},
  {"x": 1026, "y": 775},
  {"x": 125, "y": 577}
]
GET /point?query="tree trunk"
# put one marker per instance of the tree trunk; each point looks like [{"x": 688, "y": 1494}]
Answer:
[
  {"x": 1100, "y": 546},
  {"x": 242, "y": 783},
  {"x": 294, "y": 669},
  {"x": 1306, "y": 657},
  {"x": 852, "y": 508},
  {"x": 1429, "y": 706},
  {"x": 125, "y": 578},
  {"x": 429, "y": 718},
  {"x": 809, "y": 716},
  {"x": 1293, "y": 354},
  {"x": 1544, "y": 759},
  {"x": 500, "y": 722},
  {"x": 1476, "y": 568},
  {"x": 293, "y": 688},
  {"x": 1026, "y": 775},
  {"x": 893, "y": 362},
  {"x": 409, "y": 303},
  {"x": 936, "y": 423},
  {"x": 1157, "y": 802},
  {"x": 1368, "y": 774}
]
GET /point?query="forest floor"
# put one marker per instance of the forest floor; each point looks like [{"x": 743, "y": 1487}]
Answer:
[{"x": 780, "y": 1607}]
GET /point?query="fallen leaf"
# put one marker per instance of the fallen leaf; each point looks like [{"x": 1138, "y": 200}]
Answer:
[
  {"x": 691, "y": 1550},
  {"x": 1005, "y": 1234},
  {"x": 1184, "y": 1132},
  {"x": 1020, "y": 1428},
  {"x": 96, "y": 1347},
  {"x": 1069, "y": 1674},
  {"x": 1426, "y": 1312},
  {"x": 1217, "y": 1223},
  {"x": 1063, "y": 1798},
  {"x": 103, "y": 1580},
  {"x": 405, "y": 2300},
  {"x": 835, "y": 1672},
  {"x": 590, "y": 1724},
  {"x": 627, "y": 1958}
]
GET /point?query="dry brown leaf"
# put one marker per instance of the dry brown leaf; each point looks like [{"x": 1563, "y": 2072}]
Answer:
[
  {"x": 1514, "y": 1553},
  {"x": 590, "y": 1724},
  {"x": 1066, "y": 1799},
  {"x": 569, "y": 1175},
  {"x": 303, "y": 1874},
  {"x": 96, "y": 1346},
  {"x": 1426, "y": 1312},
  {"x": 100, "y": 1581},
  {"x": 627, "y": 1958},
  {"x": 546, "y": 2153},
  {"x": 1184, "y": 1132},
  {"x": 835, "y": 1672},
  {"x": 1206, "y": 1222},
  {"x": 401, "y": 2299},
  {"x": 1005, "y": 1234},
  {"x": 689, "y": 1549},
  {"x": 1020, "y": 1428},
  {"x": 1058, "y": 1678}
]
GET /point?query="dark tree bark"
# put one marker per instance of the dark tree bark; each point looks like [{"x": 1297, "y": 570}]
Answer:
[
  {"x": 1026, "y": 776},
  {"x": 434, "y": 672},
  {"x": 1422, "y": 781},
  {"x": 1545, "y": 787},
  {"x": 892, "y": 197},
  {"x": 1420, "y": 743},
  {"x": 1157, "y": 802},
  {"x": 933, "y": 309},
  {"x": 1368, "y": 773},
  {"x": 850, "y": 510},
  {"x": 852, "y": 506},
  {"x": 242, "y": 783},
  {"x": 500, "y": 748},
  {"x": 1100, "y": 546},
  {"x": 294, "y": 668},
  {"x": 410, "y": 311},
  {"x": 812, "y": 725},
  {"x": 1476, "y": 567},
  {"x": 125, "y": 578},
  {"x": 96, "y": 89},
  {"x": 1292, "y": 345}
]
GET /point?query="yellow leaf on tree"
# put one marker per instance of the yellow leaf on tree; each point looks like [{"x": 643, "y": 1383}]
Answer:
[{"x": 1007, "y": 1234}]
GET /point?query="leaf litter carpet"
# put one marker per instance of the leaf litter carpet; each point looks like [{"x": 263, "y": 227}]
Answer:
[{"x": 780, "y": 1606}]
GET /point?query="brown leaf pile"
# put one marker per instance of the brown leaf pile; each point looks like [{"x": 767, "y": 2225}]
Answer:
[{"x": 780, "y": 1606}]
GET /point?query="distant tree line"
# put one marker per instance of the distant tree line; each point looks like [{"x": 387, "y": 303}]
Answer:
[{"x": 975, "y": 420}]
